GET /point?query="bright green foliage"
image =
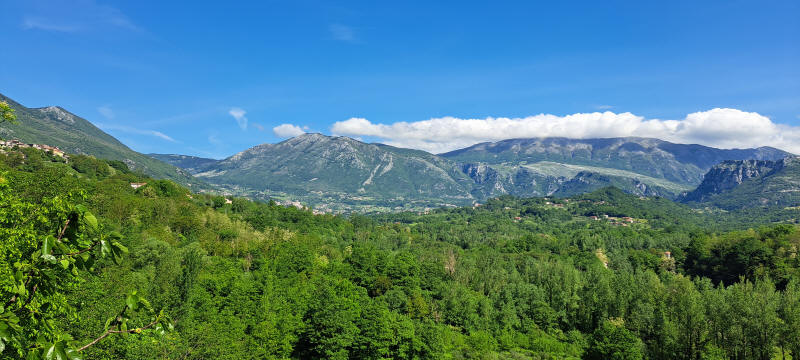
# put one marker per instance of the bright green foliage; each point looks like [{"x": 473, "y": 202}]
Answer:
[
  {"x": 612, "y": 341},
  {"x": 512, "y": 279},
  {"x": 47, "y": 248},
  {"x": 6, "y": 113},
  {"x": 789, "y": 312}
]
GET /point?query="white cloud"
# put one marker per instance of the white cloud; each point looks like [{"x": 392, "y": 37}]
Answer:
[
  {"x": 160, "y": 135},
  {"x": 238, "y": 114},
  {"x": 288, "y": 130},
  {"x": 106, "y": 111},
  {"x": 116, "y": 18},
  {"x": 723, "y": 128},
  {"x": 342, "y": 33},
  {"x": 30, "y": 23},
  {"x": 134, "y": 130},
  {"x": 77, "y": 16}
]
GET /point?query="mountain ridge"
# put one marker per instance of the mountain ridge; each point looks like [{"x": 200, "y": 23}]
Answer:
[
  {"x": 338, "y": 170},
  {"x": 683, "y": 163},
  {"x": 320, "y": 164}
]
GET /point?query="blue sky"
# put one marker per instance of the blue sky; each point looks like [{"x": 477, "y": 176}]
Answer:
[{"x": 165, "y": 76}]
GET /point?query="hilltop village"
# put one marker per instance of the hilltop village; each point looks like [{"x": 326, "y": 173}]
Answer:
[{"x": 16, "y": 144}]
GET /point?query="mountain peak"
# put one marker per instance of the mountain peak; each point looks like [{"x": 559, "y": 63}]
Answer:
[
  {"x": 319, "y": 138},
  {"x": 312, "y": 136},
  {"x": 59, "y": 114}
]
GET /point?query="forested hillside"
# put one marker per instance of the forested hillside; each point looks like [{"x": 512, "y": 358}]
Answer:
[{"x": 166, "y": 273}]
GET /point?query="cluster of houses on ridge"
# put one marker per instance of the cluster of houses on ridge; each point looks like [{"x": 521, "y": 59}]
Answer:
[{"x": 21, "y": 145}]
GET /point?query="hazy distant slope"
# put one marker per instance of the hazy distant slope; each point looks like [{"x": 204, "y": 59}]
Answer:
[
  {"x": 55, "y": 126},
  {"x": 192, "y": 164}
]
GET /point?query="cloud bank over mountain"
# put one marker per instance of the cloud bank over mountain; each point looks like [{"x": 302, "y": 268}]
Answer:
[
  {"x": 288, "y": 130},
  {"x": 719, "y": 127}
]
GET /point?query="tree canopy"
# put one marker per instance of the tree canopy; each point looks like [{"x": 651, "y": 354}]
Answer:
[{"x": 91, "y": 267}]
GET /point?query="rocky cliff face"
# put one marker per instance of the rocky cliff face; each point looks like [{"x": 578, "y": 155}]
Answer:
[
  {"x": 480, "y": 173},
  {"x": 515, "y": 180},
  {"x": 730, "y": 174},
  {"x": 749, "y": 183}
]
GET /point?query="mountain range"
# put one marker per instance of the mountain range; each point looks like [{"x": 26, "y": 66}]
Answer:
[
  {"x": 334, "y": 173},
  {"x": 324, "y": 170}
]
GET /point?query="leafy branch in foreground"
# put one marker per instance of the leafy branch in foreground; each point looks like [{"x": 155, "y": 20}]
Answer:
[
  {"x": 119, "y": 324},
  {"x": 7, "y": 113},
  {"x": 46, "y": 250}
]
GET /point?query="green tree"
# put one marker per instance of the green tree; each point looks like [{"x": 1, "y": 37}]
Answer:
[
  {"x": 688, "y": 314},
  {"x": 332, "y": 320},
  {"x": 612, "y": 341},
  {"x": 790, "y": 315}
]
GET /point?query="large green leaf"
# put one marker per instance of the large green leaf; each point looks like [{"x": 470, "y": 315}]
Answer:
[
  {"x": 90, "y": 220},
  {"x": 47, "y": 244},
  {"x": 132, "y": 301}
]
